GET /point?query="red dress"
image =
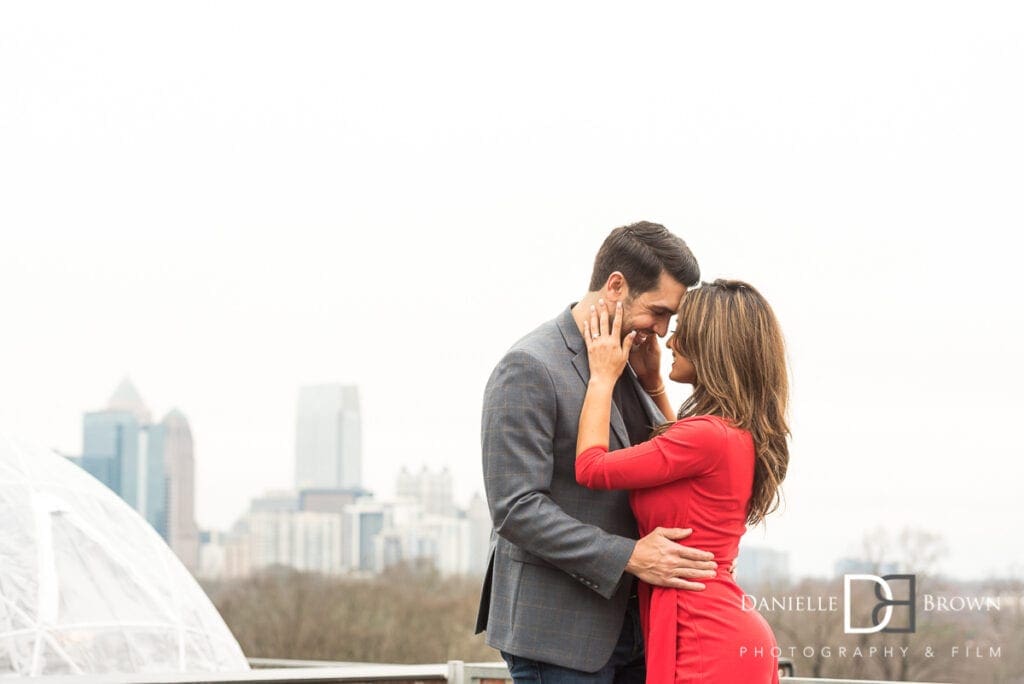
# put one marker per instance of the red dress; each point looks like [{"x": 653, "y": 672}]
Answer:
[{"x": 698, "y": 474}]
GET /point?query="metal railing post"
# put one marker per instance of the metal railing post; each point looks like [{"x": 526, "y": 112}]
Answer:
[{"x": 457, "y": 672}]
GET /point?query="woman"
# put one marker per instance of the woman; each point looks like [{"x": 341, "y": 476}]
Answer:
[{"x": 715, "y": 469}]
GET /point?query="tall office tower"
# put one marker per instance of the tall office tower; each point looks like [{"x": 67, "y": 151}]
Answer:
[
  {"x": 150, "y": 466},
  {"x": 433, "y": 491},
  {"x": 328, "y": 441},
  {"x": 171, "y": 440},
  {"x": 116, "y": 451},
  {"x": 127, "y": 398}
]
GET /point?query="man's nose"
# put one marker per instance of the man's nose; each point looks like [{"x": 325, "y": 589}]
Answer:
[{"x": 661, "y": 328}]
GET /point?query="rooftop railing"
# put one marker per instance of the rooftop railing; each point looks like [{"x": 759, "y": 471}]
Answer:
[{"x": 306, "y": 671}]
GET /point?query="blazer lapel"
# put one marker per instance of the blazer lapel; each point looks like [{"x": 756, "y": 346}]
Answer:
[
  {"x": 574, "y": 341},
  {"x": 619, "y": 427}
]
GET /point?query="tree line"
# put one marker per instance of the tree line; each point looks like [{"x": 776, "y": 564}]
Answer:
[{"x": 411, "y": 614}]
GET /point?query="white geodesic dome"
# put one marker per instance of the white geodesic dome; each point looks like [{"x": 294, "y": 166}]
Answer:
[{"x": 87, "y": 586}]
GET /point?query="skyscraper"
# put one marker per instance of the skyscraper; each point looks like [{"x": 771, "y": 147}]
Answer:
[
  {"x": 116, "y": 451},
  {"x": 150, "y": 466},
  {"x": 175, "y": 443},
  {"x": 328, "y": 440}
]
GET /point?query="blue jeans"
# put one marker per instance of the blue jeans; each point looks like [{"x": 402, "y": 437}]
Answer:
[{"x": 626, "y": 666}]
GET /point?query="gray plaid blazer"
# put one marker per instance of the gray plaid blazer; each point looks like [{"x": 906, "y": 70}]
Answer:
[{"x": 555, "y": 590}]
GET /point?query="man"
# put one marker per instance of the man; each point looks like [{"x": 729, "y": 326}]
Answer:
[{"x": 559, "y": 598}]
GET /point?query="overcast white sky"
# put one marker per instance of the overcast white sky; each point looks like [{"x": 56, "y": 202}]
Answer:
[{"x": 228, "y": 200}]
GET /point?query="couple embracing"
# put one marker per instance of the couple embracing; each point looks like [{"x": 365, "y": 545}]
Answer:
[{"x": 594, "y": 480}]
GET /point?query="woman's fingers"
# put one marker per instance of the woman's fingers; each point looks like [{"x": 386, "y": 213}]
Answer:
[
  {"x": 627, "y": 344},
  {"x": 601, "y": 332},
  {"x": 604, "y": 317}
]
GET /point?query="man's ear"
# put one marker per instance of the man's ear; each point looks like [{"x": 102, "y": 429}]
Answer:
[{"x": 615, "y": 288}]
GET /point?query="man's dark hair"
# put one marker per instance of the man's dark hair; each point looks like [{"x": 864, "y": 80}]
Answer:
[{"x": 641, "y": 251}]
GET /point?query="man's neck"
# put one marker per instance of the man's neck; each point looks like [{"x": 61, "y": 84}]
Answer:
[{"x": 581, "y": 312}]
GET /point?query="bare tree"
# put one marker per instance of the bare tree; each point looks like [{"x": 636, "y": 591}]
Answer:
[{"x": 407, "y": 615}]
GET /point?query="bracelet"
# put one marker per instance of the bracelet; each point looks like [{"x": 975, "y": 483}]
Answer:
[{"x": 656, "y": 393}]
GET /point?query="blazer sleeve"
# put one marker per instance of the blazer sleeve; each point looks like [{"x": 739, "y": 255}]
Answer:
[
  {"x": 690, "y": 448},
  {"x": 517, "y": 439}
]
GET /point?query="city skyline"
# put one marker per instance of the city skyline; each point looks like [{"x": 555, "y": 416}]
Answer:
[
  {"x": 431, "y": 490},
  {"x": 326, "y": 522}
]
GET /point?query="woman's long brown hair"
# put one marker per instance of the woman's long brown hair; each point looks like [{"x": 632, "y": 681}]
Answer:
[{"x": 729, "y": 333}]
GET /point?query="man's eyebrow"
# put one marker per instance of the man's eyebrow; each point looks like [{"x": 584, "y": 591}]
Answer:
[{"x": 662, "y": 309}]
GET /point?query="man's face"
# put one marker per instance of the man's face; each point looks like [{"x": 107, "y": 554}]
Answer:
[{"x": 649, "y": 313}]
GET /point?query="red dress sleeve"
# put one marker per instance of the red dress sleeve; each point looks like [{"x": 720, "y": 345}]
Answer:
[{"x": 689, "y": 448}]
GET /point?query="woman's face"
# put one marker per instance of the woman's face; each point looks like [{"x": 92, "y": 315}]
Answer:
[{"x": 682, "y": 369}]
